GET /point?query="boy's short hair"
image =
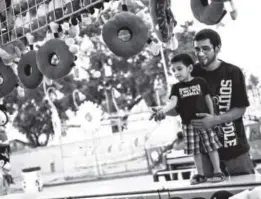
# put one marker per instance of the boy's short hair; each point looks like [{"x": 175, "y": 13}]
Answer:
[
  {"x": 210, "y": 34},
  {"x": 184, "y": 58}
]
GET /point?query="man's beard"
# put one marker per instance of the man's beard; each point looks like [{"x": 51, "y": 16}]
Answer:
[{"x": 209, "y": 61}]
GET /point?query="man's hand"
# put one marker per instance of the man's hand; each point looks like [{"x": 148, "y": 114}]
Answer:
[
  {"x": 157, "y": 115},
  {"x": 207, "y": 121}
]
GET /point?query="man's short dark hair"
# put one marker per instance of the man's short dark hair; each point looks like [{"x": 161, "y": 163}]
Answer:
[
  {"x": 184, "y": 58},
  {"x": 210, "y": 34}
]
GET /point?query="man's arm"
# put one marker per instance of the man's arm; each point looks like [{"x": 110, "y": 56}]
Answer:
[
  {"x": 239, "y": 102},
  {"x": 231, "y": 115},
  {"x": 209, "y": 120}
]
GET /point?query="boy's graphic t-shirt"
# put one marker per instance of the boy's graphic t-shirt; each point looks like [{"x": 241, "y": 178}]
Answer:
[
  {"x": 228, "y": 90},
  {"x": 191, "y": 98}
]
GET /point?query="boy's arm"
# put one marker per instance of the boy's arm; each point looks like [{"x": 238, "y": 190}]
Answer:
[
  {"x": 171, "y": 105},
  {"x": 169, "y": 109},
  {"x": 172, "y": 112},
  {"x": 209, "y": 104}
]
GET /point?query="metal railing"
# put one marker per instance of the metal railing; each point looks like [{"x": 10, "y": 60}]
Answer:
[{"x": 94, "y": 157}]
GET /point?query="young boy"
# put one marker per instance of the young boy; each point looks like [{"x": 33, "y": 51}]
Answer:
[{"x": 189, "y": 96}]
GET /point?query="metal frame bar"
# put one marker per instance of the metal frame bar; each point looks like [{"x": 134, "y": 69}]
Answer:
[
  {"x": 188, "y": 191},
  {"x": 44, "y": 26}
]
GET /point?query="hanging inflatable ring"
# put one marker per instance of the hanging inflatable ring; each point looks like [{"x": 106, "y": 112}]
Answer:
[
  {"x": 28, "y": 72},
  {"x": 209, "y": 14},
  {"x": 129, "y": 44},
  {"x": 3, "y": 118},
  {"x": 8, "y": 80},
  {"x": 162, "y": 16},
  {"x": 58, "y": 48}
]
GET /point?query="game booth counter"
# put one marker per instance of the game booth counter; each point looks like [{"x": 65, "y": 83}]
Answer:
[
  {"x": 179, "y": 167},
  {"x": 238, "y": 187},
  {"x": 167, "y": 164}
]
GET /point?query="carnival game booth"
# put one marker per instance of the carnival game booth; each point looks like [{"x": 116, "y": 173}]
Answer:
[
  {"x": 58, "y": 27},
  {"x": 179, "y": 166}
]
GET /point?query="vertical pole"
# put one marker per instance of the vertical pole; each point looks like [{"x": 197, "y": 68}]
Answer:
[
  {"x": 55, "y": 112},
  {"x": 94, "y": 141},
  {"x": 158, "y": 97},
  {"x": 165, "y": 68}
]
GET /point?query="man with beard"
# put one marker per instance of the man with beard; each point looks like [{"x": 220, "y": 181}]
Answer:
[
  {"x": 227, "y": 84},
  {"x": 228, "y": 91}
]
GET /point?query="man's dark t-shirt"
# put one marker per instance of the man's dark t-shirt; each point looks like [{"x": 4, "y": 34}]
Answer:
[
  {"x": 191, "y": 98},
  {"x": 228, "y": 90}
]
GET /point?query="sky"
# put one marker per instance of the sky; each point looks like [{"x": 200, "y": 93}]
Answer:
[{"x": 238, "y": 46}]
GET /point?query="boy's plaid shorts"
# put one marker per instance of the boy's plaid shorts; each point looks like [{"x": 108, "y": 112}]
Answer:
[{"x": 200, "y": 141}]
